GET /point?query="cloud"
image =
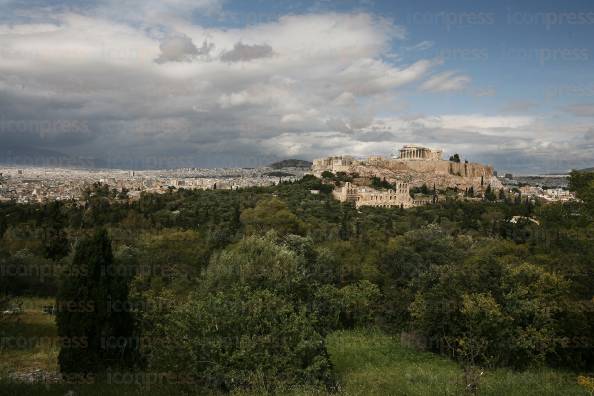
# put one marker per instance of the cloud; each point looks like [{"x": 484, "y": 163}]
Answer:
[
  {"x": 581, "y": 109},
  {"x": 422, "y": 46},
  {"x": 528, "y": 144},
  {"x": 182, "y": 49},
  {"x": 446, "y": 82},
  {"x": 245, "y": 52},
  {"x": 146, "y": 93}
]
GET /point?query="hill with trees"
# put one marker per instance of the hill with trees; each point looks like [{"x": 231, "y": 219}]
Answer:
[{"x": 291, "y": 163}]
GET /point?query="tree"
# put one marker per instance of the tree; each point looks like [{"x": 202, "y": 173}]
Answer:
[
  {"x": 174, "y": 257},
  {"x": 405, "y": 261},
  {"x": 92, "y": 310},
  {"x": 490, "y": 194},
  {"x": 493, "y": 308},
  {"x": 455, "y": 158},
  {"x": 271, "y": 214},
  {"x": 240, "y": 338},
  {"x": 257, "y": 262},
  {"x": 351, "y": 306},
  {"x": 123, "y": 195},
  {"x": 378, "y": 183},
  {"x": 582, "y": 183},
  {"x": 56, "y": 244}
]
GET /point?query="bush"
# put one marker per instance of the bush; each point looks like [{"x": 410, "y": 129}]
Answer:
[
  {"x": 346, "y": 308},
  {"x": 491, "y": 310},
  {"x": 257, "y": 262},
  {"x": 240, "y": 338},
  {"x": 271, "y": 214}
]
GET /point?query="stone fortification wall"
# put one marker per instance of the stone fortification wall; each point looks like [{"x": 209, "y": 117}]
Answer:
[{"x": 442, "y": 174}]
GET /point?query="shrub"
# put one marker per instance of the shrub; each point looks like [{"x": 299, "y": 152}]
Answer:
[
  {"x": 490, "y": 310},
  {"x": 240, "y": 338}
]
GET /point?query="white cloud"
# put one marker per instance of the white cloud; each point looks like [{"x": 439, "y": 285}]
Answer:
[
  {"x": 422, "y": 46},
  {"x": 445, "y": 82}
]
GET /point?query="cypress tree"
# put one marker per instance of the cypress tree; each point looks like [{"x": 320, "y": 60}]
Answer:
[{"x": 93, "y": 313}]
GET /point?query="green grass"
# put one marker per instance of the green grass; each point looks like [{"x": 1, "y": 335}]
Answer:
[
  {"x": 372, "y": 363},
  {"x": 367, "y": 362},
  {"x": 29, "y": 342}
]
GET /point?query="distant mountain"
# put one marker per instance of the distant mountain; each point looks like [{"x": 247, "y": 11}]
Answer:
[
  {"x": 291, "y": 163},
  {"x": 587, "y": 170},
  {"x": 34, "y": 156}
]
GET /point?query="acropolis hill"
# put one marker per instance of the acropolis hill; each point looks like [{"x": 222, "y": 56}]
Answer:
[{"x": 413, "y": 166}]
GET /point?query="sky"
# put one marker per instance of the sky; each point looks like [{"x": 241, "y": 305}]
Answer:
[{"x": 223, "y": 83}]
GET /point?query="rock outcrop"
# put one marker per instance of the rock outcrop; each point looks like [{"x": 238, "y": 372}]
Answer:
[{"x": 416, "y": 172}]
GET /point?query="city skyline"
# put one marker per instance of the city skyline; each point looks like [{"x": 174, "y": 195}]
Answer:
[{"x": 213, "y": 83}]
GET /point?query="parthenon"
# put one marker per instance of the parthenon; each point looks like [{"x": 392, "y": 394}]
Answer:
[{"x": 415, "y": 152}]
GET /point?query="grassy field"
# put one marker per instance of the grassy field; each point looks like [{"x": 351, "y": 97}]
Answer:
[
  {"x": 367, "y": 363},
  {"x": 29, "y": 342},
  {"x": 371, "y": 363}
]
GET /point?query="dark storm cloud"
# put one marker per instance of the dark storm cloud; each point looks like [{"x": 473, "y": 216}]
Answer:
[
  {"x": 245, "y": 52},
  {"x": 181, "y": 49}
]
